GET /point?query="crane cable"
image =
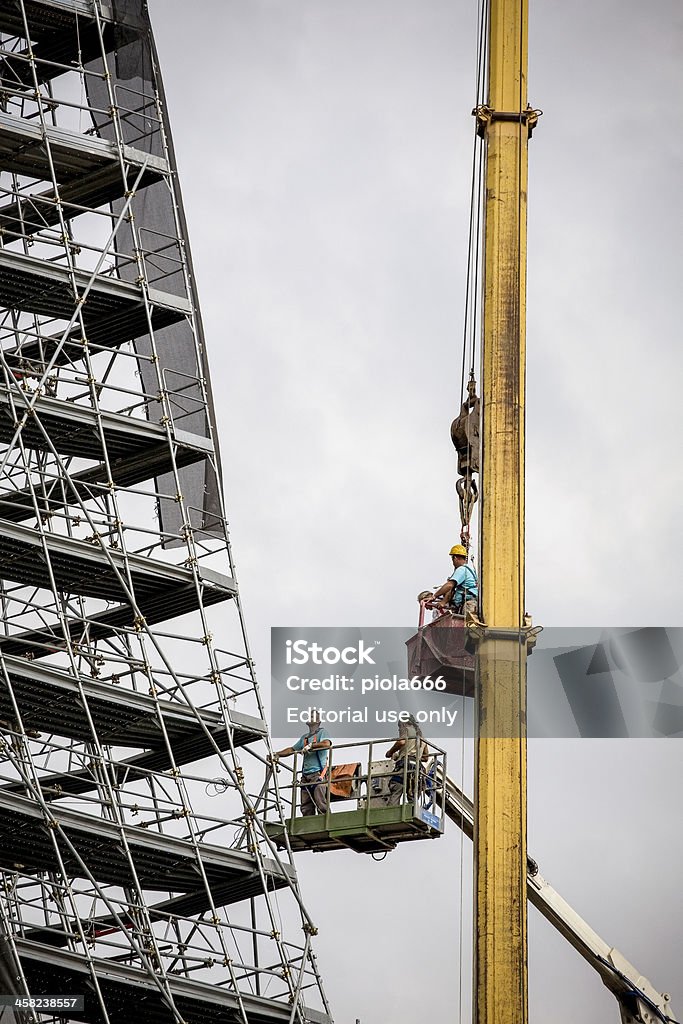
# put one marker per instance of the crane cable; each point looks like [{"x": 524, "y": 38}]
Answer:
[
  {"x": 469, "y": 350},
  {"x": 472, "y": 298},
  {"x": 466, "y": 424},
  {"x": 521, "y": 570}
]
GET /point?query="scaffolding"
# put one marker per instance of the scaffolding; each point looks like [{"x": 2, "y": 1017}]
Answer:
[{"x": 124, "y": 660}]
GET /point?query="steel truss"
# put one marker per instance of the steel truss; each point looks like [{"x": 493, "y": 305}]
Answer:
[{"x": 124, "y": 661}]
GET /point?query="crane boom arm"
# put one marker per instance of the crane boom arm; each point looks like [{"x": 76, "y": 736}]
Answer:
[{"x": 639, "y": 1001}]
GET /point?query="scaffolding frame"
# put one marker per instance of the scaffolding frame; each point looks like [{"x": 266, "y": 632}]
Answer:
[{"x": 124, "y": 661}]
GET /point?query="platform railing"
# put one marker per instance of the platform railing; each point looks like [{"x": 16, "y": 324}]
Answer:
[
  {"x": 438, "y": 612},
  {"x": 417, "y": 781}
]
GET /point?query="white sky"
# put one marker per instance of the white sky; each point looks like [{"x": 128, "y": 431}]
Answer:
[{"x": 324, "y": 148}]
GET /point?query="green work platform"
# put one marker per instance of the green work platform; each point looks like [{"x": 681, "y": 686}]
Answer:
[{"x": 365, "y": 830}]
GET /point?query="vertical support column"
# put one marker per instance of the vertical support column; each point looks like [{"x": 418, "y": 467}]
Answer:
[{"x": 500, "y": 957}]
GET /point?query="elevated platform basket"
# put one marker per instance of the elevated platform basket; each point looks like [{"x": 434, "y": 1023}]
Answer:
[
  {"x": 438, "y": 649},
  {"x": 362, "y": 812}
]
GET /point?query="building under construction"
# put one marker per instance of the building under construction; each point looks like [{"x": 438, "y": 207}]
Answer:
[{"x": 124, "y": 657}]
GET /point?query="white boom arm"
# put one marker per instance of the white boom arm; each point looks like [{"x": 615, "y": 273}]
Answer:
[{"x": 639, "y": 1001}]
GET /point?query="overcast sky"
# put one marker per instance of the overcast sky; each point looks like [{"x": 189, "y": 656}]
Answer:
[{"x": 324, "y": 148}]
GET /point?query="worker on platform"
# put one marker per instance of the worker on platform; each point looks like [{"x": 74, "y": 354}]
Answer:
[
  {"x": 408, "y": 752},
  {"x": 460, "y": 592},
  {"x": 314, "y": 745}
]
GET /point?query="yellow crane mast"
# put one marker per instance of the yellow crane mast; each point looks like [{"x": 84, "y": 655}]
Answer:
[{"x": 500, "y": 941}]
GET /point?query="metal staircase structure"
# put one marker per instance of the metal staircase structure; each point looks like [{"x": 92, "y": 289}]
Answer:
[{"x": 124, "y": 665}]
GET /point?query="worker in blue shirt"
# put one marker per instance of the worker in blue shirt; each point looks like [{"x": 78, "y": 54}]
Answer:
[
  {"x": 460, "y": 592},
  {"x": 314, "y": 745}
]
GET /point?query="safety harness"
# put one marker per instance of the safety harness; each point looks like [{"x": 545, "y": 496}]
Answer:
[
  {"x": 320, "y": 754},
  {"x": 462, "y": 590}
]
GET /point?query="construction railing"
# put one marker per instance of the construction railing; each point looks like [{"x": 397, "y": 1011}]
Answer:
[{"x": 360, "y": 776}]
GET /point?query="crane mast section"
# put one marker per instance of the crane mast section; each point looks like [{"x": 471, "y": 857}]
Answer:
[
  {"x": 504, "y": 347},
  {"x": 635, "y": 993},
  {"x": 500, "y": 961}
]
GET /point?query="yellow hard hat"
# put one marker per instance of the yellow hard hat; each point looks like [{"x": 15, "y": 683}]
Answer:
[{"x": 458, "y": 549}]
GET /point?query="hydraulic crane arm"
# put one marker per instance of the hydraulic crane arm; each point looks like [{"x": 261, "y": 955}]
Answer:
[{"x": 639, "y": 1001}]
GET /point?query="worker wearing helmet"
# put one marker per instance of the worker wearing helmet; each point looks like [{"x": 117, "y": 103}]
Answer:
[
  {"x": 408, "y": 752},
  {"x": 460, "y": 592},
  {"x": 314, "y": 745}
]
